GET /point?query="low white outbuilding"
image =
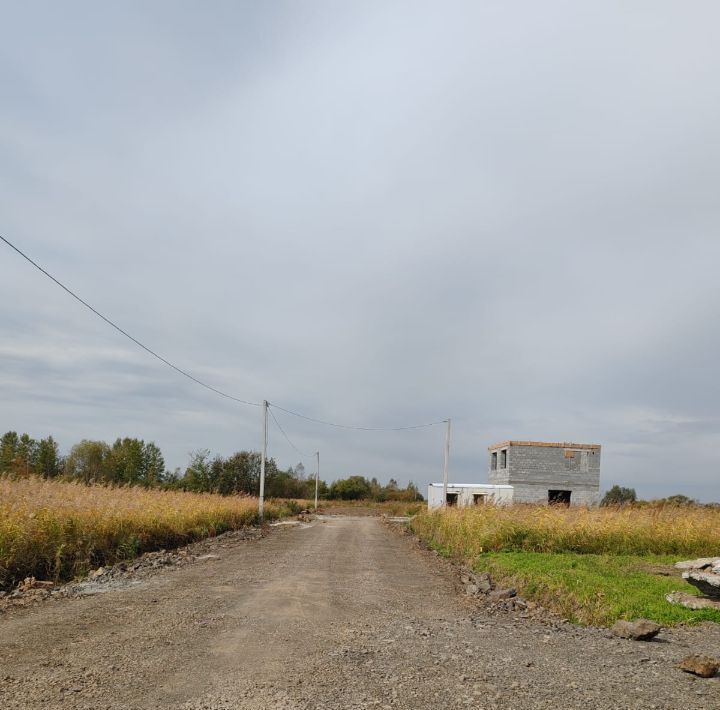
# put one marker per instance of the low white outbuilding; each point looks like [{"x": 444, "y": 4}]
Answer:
[{"x": 463, "y": 495}]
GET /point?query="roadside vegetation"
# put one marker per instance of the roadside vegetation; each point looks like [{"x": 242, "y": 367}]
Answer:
[
  {"x": 57, "y": 530},
  {"x": 395, "y": 508},
  {"x": 135, "y": 462},
  {"x": 593, "y": 566}
]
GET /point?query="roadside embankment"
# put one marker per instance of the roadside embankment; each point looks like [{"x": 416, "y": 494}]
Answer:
[
  {"x": 592, "y": 566},
  {"x": 57, "y": 531}
]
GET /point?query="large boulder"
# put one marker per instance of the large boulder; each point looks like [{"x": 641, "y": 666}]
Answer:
[
  {"x": 707, "y": 582},
  {"x": 703, "y": 573},
  {"x": 701, "y": 563}
]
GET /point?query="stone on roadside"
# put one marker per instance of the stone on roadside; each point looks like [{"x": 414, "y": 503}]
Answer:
[
  {"x": 475, "y": 584},
  {"x": 30, "y": 583},
  {"x": 707, "y": 582},
  {"x": 703, "y": 666},
  {"x": 484, "y": 582},
  {"x": 700, "y": 563},
  {"x": 690, "y": 601},
  {"x": 638, "y": 630},
  {"x": 500, "y": 594}
]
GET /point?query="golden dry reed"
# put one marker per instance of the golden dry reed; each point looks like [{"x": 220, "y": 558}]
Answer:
[
  {"x": 650, "y": 530},
  {"x": 57, "y": 530}
]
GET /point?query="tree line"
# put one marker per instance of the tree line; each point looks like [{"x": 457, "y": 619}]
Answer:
[
  {"x": 134, "y": 462},
  {"x": 619, "y": 495}
]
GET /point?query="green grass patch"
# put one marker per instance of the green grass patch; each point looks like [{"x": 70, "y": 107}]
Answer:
[
  {"x": 595, "y": 589},
  {"x": 591, "y": 565}
]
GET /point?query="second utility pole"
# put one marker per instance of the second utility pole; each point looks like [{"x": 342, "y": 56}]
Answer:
[
  {"x": 261, "y": 504},
  {"x": 446, "y": 463},
  {"x": 317, "y": 478}
]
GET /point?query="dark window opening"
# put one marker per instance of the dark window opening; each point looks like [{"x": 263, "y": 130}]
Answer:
[
  {"x": 503, "y": 458},
  {"x": 559, "y": 497},
  {"x": 493, "y": 461},
  {"x": 479, "y": 498},
  {"x": 452, "y": 499}
]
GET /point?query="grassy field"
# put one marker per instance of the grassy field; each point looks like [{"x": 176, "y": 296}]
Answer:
[
  {"x": 387, "y": 507},
  {"x": 592, "y": 566},
  {"x": 55, "y": 530}
]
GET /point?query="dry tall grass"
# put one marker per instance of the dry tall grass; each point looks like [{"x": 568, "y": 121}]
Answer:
[
  {"x": 386, "y": 507},
  {"x": 682, "y": 531},
  {"x": 56, "y": 530}
]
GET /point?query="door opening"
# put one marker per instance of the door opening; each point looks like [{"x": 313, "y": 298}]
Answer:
[{"x": 559, "y": 497}]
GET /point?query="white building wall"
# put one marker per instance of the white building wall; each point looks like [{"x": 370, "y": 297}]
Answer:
[{"x": 466, "y": 492}]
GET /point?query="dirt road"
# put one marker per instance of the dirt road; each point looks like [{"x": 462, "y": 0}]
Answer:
[{"x": 341, "y": 613}]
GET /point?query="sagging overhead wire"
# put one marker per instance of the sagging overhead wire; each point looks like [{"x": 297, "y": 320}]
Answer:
[
  {"x": 197, "y": 381},
  {"x": 177, "y": 369},
  {"x": 358, "y": 428},
  {"x": 287, "y": 438}
]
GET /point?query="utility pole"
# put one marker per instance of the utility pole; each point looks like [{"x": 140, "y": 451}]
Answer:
[
  {"x": 261, "y": 504},
  {"x": 317, "y": 479},
  {"x": 446, "y": 463}
]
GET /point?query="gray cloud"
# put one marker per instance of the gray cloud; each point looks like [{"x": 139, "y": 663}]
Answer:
[{"x": 377, "y": 213}]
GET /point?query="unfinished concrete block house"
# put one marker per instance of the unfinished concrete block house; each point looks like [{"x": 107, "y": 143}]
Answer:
[{"x": 545, "y": 472}]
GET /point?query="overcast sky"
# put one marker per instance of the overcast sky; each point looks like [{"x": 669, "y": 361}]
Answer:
[{"x": 377, "y": 213}]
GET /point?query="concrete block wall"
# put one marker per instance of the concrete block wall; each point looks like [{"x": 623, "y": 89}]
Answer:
[{"x": 535, "y": 468}]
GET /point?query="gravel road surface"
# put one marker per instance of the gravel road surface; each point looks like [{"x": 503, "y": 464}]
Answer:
[{"x": 339, "y": 613}]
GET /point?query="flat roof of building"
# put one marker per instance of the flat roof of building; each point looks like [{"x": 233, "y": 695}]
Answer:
[
  {"x": 551, "y": 444},
  {"x": 491, "y": 486}
]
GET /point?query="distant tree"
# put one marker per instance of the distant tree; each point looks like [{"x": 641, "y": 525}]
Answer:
[
  {"x": 413, "y": 493},
  {"x": 25, "y": 457},
  {"x": 353, "y": 488},
  {"x": 133, "y": 462},
  {"x": 173, "y": 479},
  {"x": 241, "y": 473},
  {"x": 48, "y": 463},
  {"x": 198, "y": 473},
  {"x": 88, "y": 461},
  {"x": 618, "y": 495},
  {"x": 126, "y": 462},
  {"x": 284, "y": 484},
  {"x": 154, "y": 471},
  {"x": 8, "y": 451},
  {"x": 678, "y": 499}
]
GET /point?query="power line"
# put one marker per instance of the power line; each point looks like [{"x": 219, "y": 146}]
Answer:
[
  {"x": 287, "y": 438},
  {"x": 126, "y": 334},
  {"x": 186, "y": 374},
  {"x": 358, "y": 428}
]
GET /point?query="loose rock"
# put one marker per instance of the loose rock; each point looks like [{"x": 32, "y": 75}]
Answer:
[
  {"x": 690, "y": 601},
  {"x": 30, "y": 583},
  {"x": 499, "y": 594},
  {"x": 703, "y": 666},
  {"x": 638, "y": 630}
]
